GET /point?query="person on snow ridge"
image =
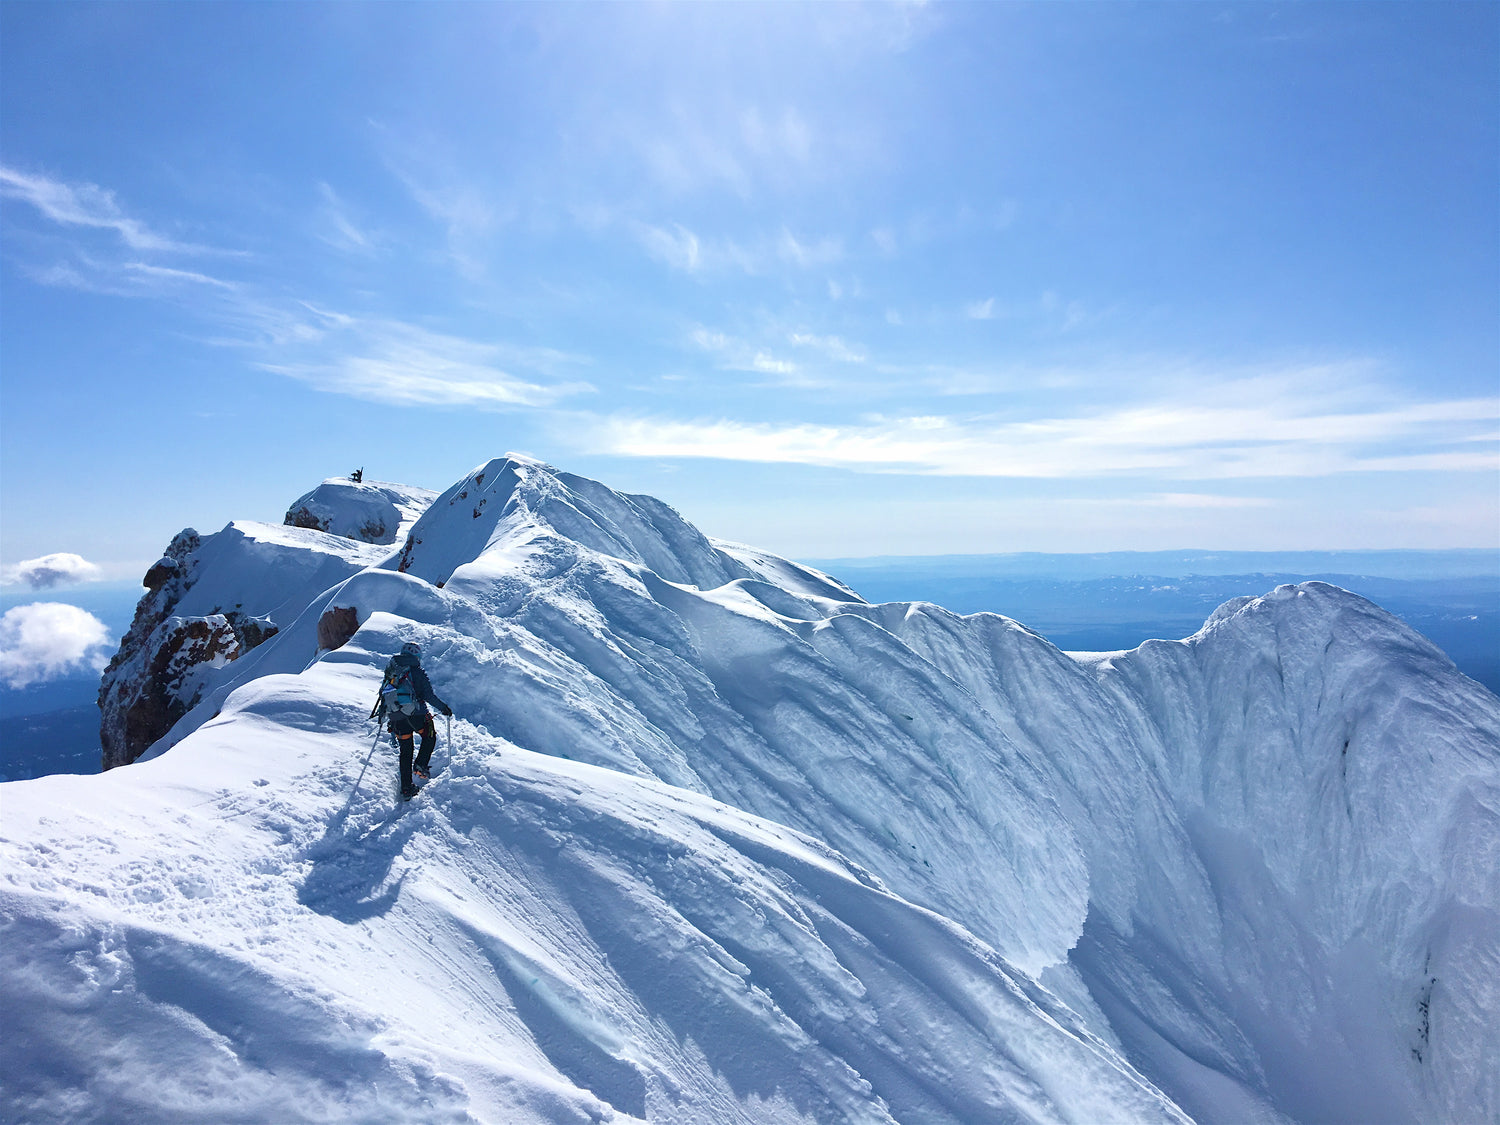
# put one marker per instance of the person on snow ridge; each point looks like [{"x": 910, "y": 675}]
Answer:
[{"x": 407, "y": 664}]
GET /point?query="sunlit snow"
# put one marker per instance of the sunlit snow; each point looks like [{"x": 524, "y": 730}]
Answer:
[{"x": 714, "y": 840}]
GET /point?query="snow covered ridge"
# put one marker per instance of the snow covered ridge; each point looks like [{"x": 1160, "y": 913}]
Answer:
[
  {"x": 717, "y": 841},
  {"x": 370, "y": 511}
]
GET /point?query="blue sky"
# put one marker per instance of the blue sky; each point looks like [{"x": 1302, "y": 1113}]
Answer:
[{"x": 835, "y": 280}]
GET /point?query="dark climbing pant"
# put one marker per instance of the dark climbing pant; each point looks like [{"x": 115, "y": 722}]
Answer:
[{"x": 404, "y": 741}]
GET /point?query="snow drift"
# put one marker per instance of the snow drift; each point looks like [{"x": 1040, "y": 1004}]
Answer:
[{"x": 715, "y": 840}]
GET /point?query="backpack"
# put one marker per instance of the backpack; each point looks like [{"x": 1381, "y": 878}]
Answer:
[{"x": 398, "y": 693}]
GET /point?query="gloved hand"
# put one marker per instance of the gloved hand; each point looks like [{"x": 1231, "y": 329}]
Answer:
[{"x": 446, "y": 710}]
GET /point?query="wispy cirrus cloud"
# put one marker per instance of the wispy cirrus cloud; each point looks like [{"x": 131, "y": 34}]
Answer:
[
  {"x": 167, "y": 275},
  {"x": 811, "y": 361},
  {"x": 407, "y": 365},
  {"x": 678, "y": 248},
  {"x": 381, "y": 360},
  {"x": 469, "y": 208},
  {"x": 719, "y": 145},
  {"x": 115, "y": 278},
  {"x": 338, "y": 229},
  {"x": 1170, "y": 439},
  {"x": 683, "y": 249},
  {"x": 86, "y": 205}
]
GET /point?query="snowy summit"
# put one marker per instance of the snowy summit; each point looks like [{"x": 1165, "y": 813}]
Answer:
[{"x": 711, "y": 839}]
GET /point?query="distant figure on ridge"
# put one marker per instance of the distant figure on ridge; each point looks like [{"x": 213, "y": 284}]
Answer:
[{"x": 404, "y": 695}]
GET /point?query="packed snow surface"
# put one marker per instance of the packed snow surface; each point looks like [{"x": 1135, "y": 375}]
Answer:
[{"x": 714, "y": 840}]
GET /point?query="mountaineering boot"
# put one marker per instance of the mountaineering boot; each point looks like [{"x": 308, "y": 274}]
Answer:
[
  {"x": 420, "y": 771},
  {"x": 409, "y": 791}
]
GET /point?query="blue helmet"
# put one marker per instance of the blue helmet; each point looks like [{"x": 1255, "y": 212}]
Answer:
[{"x": 411, "y": 648}]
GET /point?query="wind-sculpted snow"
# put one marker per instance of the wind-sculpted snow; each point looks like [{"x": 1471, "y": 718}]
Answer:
[
  {"x": 232, "y": 932},
  {"x": 718, "y": 841}
]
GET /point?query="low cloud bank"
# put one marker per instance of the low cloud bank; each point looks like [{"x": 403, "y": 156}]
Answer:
[
  {"x": 46, "y": 640},
  {"x": 59, "y": 569}
]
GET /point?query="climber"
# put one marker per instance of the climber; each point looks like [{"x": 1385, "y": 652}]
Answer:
[{"x": 404, "y": 695}]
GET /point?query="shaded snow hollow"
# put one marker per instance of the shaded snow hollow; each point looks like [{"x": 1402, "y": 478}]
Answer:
[{"x": 714, "y": 840}]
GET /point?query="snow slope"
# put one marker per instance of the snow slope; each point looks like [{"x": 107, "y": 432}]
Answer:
[{"x": 715, "y": 840}]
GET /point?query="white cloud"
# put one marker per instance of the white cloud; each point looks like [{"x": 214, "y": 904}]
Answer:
[
  {"x": 404, "y": 365},
  {"x": 341, "y": 233},
  {"x": 85, "y": 205},
  {"x": 981, "y": 310},
  {"x": 682, "y": 249},
  {"x": 164, "y": 274},
  {"x": 1172, "y": 440},
  {"x": 123, "y": 279},
  {"x": 769, "y": 364},
  {"x": 823, "y": 252},
  {"x": 717, "y": 143},
  {"x": 470, "y": 212},
  {"x": 45, "y": 640},
  {"x": 60, "y": 569},
  {"x": 709, "y": 340},
  {"x": 678, "y": 248},
  {"x": 735, "y": 354}
]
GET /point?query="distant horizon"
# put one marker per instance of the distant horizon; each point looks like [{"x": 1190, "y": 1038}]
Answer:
[{"x": 1403, "y": 554}]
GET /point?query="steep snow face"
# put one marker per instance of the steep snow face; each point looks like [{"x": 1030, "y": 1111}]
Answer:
[
  {"x": 700, "y": 798},
  {"x": 367, "y": 511},
  {"x": 1292, "y": 822}
]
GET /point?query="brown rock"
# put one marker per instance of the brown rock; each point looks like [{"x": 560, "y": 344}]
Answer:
[{"x": 336, "y": 626}]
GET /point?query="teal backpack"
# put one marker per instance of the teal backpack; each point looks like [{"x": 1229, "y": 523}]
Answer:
[{"x": 398, "y": 693}]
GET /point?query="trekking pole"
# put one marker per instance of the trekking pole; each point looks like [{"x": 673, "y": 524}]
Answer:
[{"x": 362, "y": 769}]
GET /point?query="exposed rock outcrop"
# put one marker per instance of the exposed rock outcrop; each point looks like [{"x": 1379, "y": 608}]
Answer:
[
  {"x": 336, "y": 626},
  {"x": 138, "y": 693},
  {"x": 170, "y": 685},
  {"x": 165, "y": 662}
]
